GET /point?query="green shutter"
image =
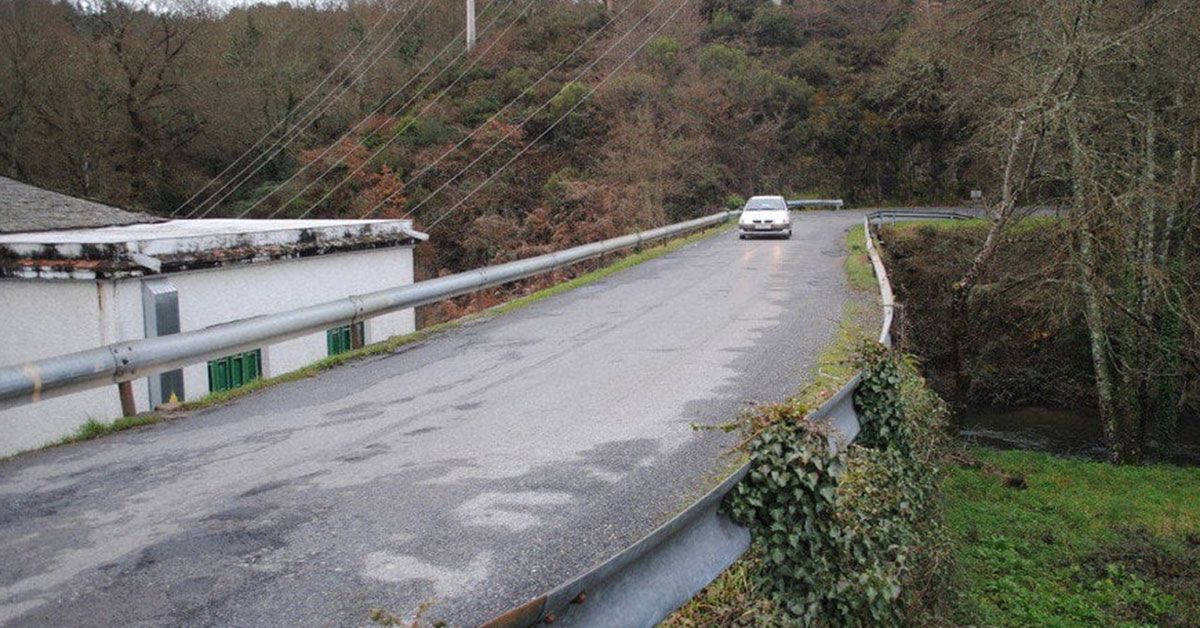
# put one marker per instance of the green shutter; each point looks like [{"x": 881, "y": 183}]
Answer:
[
  {"x": 233, "y": 371},
  {"x": 341, "y": 339}
]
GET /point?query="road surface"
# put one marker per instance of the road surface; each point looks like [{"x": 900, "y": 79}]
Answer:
[{"x": 465, "y": 473}]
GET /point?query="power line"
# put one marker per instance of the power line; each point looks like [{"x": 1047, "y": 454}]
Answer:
[
  {"x": 325, "y": 79},
  {"x": 582, "y": 72},
  {"x": 373, "y": 56},
  {"x": 357, "y": 125},
  {"x": 445, "y": 214},
  {"x": 397, "y": 133},
  {"x": 498, "y": 113},
  {"x": 364, "y": 66}
]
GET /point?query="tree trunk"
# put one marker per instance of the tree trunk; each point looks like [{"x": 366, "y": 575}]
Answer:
[
  {"x": 961, "y": 300},
  {"x": 1086, "y": 266}
]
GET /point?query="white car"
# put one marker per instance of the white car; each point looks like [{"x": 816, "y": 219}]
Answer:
[{"x": 765, "y": 215}]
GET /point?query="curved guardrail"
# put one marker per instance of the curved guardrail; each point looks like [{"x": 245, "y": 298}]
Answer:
[
  {"x": 134, "y": 359},
  {"x": 656, "y": 575},
  {"x": 835, "y": 203},
  {"x": 886, "y": 298}
]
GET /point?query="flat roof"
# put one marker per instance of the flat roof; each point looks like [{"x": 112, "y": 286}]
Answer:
[{"x": 178, "y": 245}]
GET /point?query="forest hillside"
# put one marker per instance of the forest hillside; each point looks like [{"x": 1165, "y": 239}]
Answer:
[{"x": 649, "y": 112}]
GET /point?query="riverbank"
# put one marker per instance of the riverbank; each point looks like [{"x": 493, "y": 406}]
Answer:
[{"x": 1045, "y": 540}]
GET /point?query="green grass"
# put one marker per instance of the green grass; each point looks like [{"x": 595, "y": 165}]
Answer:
[
  {"x": 1024, "y": 225},
  {"x": 859, "y": 323},
  {"x": 858, "y": 268},
  {"x": 1086, "y": 543},
  {"x": 835, "y": 364},
  {"x": 945, "y": 224},
  {"x": 735, "y": 598},
  {"x": 96, "y": 429}
]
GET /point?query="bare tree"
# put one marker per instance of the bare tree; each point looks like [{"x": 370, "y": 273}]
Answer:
[{"x": 1096, "y": 95}]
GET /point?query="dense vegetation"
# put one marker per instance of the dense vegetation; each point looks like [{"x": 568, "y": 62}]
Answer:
[{"x": 868, "y": 546}]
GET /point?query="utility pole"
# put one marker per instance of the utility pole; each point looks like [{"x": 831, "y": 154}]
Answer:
[{"x": 470, "y": 24}]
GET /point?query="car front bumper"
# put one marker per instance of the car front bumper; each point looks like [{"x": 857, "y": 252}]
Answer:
[{"x": 774, "y": 229}]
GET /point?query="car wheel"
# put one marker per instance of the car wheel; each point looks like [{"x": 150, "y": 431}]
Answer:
[
  {"x": 788, "y": 235},
  {"x": 741, "y": 236}
]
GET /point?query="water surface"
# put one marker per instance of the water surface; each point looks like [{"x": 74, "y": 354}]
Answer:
[{"x": 1061, "y": 431}]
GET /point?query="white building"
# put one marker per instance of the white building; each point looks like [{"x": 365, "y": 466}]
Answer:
[{"x": 77, "y": 275}]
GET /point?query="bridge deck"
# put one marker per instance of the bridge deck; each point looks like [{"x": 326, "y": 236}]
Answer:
[{"x": 473, "y": 470}]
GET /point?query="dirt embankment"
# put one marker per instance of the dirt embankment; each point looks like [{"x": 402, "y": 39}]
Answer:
[{"x": 1026, "y": 341}]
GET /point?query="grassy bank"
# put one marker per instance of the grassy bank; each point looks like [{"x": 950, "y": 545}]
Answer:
[
  {"x": 858, "y": 268},
  {"x": 1086, "y": 543}
]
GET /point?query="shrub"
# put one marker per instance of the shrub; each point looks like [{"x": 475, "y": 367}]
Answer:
[
  {"x": 476, "y": 110},
  {"x": 814, "y": 64},
  {"x": 733, "y": 201},
  {"x": 568, "y": 104},
  {"x": 554, "y": 190},
  {"x": 741, "y": 10},
  {"x": 568, "y": 97},
  {"x": 629, "y": 90},
  {"x": 721, "y": 59},
  {"x": 723, "y": 25},
  {"x": 513, "y": 82},
  {"x": 774, "y": 26},
  {"x": 557, "y": 27},
  {"x": 429, "y": 132},
  {"x": 663, "y": 52}
]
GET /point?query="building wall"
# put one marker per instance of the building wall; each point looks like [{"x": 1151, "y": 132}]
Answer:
[
  {"x": 47, "y": 318},
  {"x": 44, "y": 318}
]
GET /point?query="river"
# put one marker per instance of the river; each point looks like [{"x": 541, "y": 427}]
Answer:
[{"x": 1060, "y": 431}]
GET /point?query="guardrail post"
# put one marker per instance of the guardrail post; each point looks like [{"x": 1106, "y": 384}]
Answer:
[{"x": 128, "y": 405}]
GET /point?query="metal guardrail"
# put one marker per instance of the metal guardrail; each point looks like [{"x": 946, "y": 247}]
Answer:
[
  {"x": 886, "y": 297},
  {"x": 835, "y": 203},
  {"x": 134, "y": 359},
  {"x": 919, "y": 214},
  {"x": 650, "y": 579}
]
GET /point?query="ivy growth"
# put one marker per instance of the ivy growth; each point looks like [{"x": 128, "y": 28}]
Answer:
[
  {"x": 849, "y": 537},
  {"x": 877, "y": 400}
]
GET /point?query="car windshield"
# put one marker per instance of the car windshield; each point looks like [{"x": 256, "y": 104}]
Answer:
[{"x": 764, "y": 204}]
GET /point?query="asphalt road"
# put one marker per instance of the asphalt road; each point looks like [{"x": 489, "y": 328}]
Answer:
[{"x": 466, "y": 473}]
